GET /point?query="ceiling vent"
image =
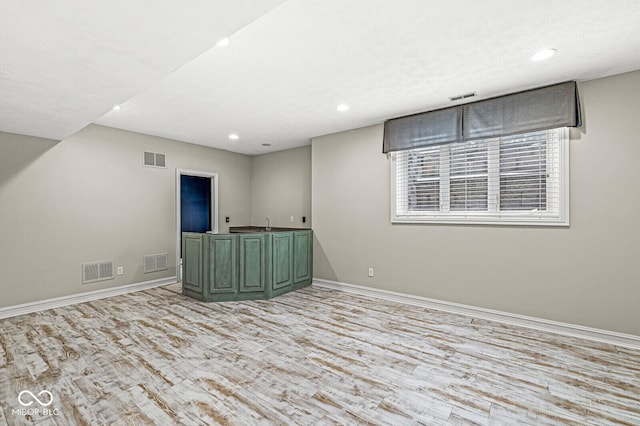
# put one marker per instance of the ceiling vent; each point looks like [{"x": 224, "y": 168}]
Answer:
[
  {"x": 97, "y": 271},
  {"x": 154, "y": 159},
  {"x": 155, "y": 262},
  {"x": 461, "y": 97}
]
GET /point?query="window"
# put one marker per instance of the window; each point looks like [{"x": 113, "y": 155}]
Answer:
[{"x": 519, "y": 179}]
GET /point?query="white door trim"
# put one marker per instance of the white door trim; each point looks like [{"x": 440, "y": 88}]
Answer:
[{"x": 214, "y": 208}]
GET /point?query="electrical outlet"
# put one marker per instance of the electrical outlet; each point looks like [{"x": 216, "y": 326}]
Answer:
[
  {"x": 292, "y": 219},
  {"x": 304, "y": 219},
  {"x": 370, "y": 272},
  {"x": 226, "y": 219},
  {"x": 120, "y": 270}
]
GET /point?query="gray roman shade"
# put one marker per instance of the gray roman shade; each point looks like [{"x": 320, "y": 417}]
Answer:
[
  {"x": 538, "y": 109},
  {"x": 429, "y": 128},
  {"x": 529, "y": 111}
]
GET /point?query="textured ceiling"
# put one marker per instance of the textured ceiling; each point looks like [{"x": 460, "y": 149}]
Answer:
[
  {"x": 288, "y": 65},
  {"x": 64, "y": 63}
]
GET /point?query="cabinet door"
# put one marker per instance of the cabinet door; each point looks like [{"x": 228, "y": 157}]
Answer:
[
  {"x": 282, "y": 260},
  {"x": 302, "y": 263},
  {"x": 252, "y": 263},
  {"x": 221, "y": 270},
  {"x": 192, "y": 262}
]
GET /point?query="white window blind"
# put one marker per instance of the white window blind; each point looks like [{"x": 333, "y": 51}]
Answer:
[{"x": 518, "y": 179}]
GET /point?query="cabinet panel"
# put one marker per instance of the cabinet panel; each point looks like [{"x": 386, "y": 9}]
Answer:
[
  {"x": 302, "y": 246},
  {"x": 246, "y": 267},
  {"x": 222, "y": 270},
  {"x": 282, "y": 257},
  {"x": 252, "y": 263},
  {"x": 191, "y": 262}
]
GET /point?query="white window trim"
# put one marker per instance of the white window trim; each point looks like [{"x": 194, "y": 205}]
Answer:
[{"x": 493, "y": 218}]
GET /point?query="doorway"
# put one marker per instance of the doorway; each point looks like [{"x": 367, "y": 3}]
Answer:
[{"x": 196, "y": 206}]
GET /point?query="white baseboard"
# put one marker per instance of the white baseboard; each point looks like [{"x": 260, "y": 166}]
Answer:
[
  {"x": 598, "y": 335},
  {"x": 42, "y": 305}
]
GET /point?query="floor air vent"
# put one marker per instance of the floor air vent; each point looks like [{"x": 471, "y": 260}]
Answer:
[
  {"x": 97, "y": 271},
  {"x": 154, "y": 159},
  {"x": 155, "y": 263}
]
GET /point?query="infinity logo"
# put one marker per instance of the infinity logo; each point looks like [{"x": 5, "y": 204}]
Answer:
[{"x": 44, "y": 392}]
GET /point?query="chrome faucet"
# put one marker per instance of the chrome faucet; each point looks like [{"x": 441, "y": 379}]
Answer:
[{"x": 268, "y": 224}]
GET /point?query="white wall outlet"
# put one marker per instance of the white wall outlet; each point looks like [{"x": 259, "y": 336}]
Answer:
[
  {"x": 120, "y": 270},
  {"x": 292, "y": 219},
  {"x": 370, "y": 272}
]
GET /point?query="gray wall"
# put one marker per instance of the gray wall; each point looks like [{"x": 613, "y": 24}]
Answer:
[
  {"x": 587, "y": 274},
  {"x": 281, "y": 187},
  {"x": 88, "y": 198}
]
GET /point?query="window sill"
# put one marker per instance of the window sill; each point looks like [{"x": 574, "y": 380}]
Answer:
[{"x": 470, "y": 219}]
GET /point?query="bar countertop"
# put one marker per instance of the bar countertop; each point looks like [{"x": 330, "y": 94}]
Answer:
[{"x": 257, "y": 229}]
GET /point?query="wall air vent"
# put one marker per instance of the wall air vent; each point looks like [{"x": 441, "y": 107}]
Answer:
[
  {"x": 465, "y": 96},
  {"x": 97, "y": 271},
  {"x": 154, "y": 159},
  {"x": 155, "y": 262}
]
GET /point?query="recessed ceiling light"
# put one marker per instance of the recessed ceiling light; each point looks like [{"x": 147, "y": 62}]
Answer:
[
  {"x": 117, "y": 107},
  {"x": 234, "y": 137},
  {"x": 223, "y": 42},
  {"x": 543, "y": 54},
  {"x": 266, "y": 144},
  {"x": 342, "y": 107}
]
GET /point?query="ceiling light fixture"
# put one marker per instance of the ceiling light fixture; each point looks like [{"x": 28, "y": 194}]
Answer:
[
  {"x": 223, "y": 42},
  {"x": 342, "y": 107},
  {"x": 543, "y": 54},
  {"x": 234, "y": 137}
]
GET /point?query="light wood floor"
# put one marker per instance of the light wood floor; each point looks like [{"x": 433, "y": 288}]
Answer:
[{"x": 312, "y": 357}]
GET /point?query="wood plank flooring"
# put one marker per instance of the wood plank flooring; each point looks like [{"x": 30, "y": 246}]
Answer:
[{"x": 312, "y": 357}]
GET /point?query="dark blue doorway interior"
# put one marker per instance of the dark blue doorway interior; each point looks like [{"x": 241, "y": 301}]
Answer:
[{"x": 195, "y": 204}]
